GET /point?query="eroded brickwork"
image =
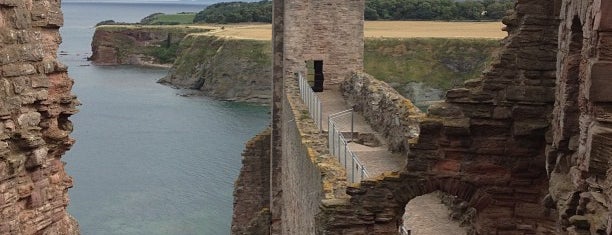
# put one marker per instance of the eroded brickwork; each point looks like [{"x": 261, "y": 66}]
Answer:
[
  {"x": 252, "y": 189},
  {"x": 527, "y": 146},
  {"x": 388, "y": 112},
  {"x": 580, "y": 149},
  {"x": 35, "y": 103},
  {"x": 492, "y": 132}
]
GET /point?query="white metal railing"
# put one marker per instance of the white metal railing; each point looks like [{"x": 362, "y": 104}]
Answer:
[
  {"x": 311, "y": 100},
  {"x": 338, "y": 146},
  {"x": 403, "y": 230}
]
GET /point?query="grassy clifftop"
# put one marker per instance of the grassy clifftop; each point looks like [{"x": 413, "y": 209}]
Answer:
[
  {"x": 233, "y": 63},
  {"x": 138, "y": 45},
  {"x": 419, "y": 68},
  {"x": 224, "y": 68},
  {"x": 439, "y": 62}
]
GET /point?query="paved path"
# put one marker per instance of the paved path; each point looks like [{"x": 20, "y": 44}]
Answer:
[
  {"x": 426, "y": 215},
  {"x": 376, "y": 159}
]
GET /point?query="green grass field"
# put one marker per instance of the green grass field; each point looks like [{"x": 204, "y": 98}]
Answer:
[
  {"x": 438, "y": 62},
  {"x": 180, "y": 18}
]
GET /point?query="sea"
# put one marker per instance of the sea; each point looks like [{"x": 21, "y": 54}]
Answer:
[{"x": 146, "y": 160}]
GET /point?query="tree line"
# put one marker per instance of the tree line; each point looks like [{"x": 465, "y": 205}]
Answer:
[
  {"x": 437, "y": 9},
  {"x": 236, "y": 12}
]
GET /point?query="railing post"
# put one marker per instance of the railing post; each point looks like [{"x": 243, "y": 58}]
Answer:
[
  {"x": 345, "y": 162},
  {"x": 333, "y": 142},
  {"x": 352, "y": 125},
  {"x": 353, "y": 167},
  {"x": 336, "y": 140},
  {"x": 320, "y": 116}
]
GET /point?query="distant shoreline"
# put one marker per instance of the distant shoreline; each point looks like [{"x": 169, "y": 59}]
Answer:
[{"x": 203, "y": 4}]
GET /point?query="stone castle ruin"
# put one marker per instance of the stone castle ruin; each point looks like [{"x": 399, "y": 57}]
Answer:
[{"x": 525, "y": 147}]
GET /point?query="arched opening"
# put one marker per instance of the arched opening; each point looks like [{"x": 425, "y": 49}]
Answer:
[
  {"x": 315, "y": 74},
  {"x": 567, "y": 108},
  {"x": 436, "y": 213},
  {"x": 434, "y": 206}
]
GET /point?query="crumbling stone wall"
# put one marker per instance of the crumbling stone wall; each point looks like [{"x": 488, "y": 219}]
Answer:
[
  {"x": 252, "y": 188},
  {"x": 492, "y": 144},
  {"x": 376, "y": 204},
  {"x": 384, "y": 109},
  {"x": 492, "y": 133},
  {"x": 326, "y": 30},
  {"x": 581, "y": 142},
  {"x": 35, "y": 103}
]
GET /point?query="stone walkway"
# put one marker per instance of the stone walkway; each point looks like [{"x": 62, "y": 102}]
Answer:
[
  {"x": 426, "y": 215},
  {"x": 376, "y": 159}
]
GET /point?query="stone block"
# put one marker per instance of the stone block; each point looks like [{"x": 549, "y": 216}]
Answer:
[
  {"x": 30, "y": 119},
  {"x": 457, "y": 93},
  {"x": 443, "y": 109},
  {"x": 457, "y": 126},
  {"x": 490, "y": 128},
  {"x": 524, "y": 146},
  {"x": 40, "y": 82},
  {"x": 447, "y": 166},
  {"x": 599, "y": 150},
  {"x": 531, "y": 94},
  {"x": 477, "y": 110},
  {"x": 10, "y": 3},
  {"x": 521, "y": 112},
  {"x": 497, "y": 213},
  {"x": 530, "y": 127},
  {"x": 18, "y": 70},
  {"x": 603, "y": 16},
  {"x": 601, "y": 82},
  {"x": 529, "y": 210},
  {"x": 604, "y": 46},
  {"x": 501, "y": 112}
]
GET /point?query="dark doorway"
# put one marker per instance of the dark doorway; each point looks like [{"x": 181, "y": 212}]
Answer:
[{"x": 318, "y": 76}]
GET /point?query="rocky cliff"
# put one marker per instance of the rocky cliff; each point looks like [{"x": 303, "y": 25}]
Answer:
[
  {"x": 238, "y": 69},
  {"x": 251, "y": 200},
  {"x": 138, "y": 45},
  {"x": 228, "y": 69},
  {"x": 35, "y": 103}
]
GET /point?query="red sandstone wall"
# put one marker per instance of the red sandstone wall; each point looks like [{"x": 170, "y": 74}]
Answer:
[
  {"x": 484, "y": 144},
  {"x": 491, "y": 134},
  {"x": 35, "y": 103},
  {"x": 581, "y": 147}
]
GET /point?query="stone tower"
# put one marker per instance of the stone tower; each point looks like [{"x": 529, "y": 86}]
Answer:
[{"x": 330, "y": 31}]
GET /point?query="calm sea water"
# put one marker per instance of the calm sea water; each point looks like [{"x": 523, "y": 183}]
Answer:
[{"x": 148, "y": 161}]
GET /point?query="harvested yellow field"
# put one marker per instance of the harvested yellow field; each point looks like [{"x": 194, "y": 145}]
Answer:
[
  {"x": 245, "y": 31},
  {"x": 384, "y": 29},
  {"x": 433, "y": 29}
]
